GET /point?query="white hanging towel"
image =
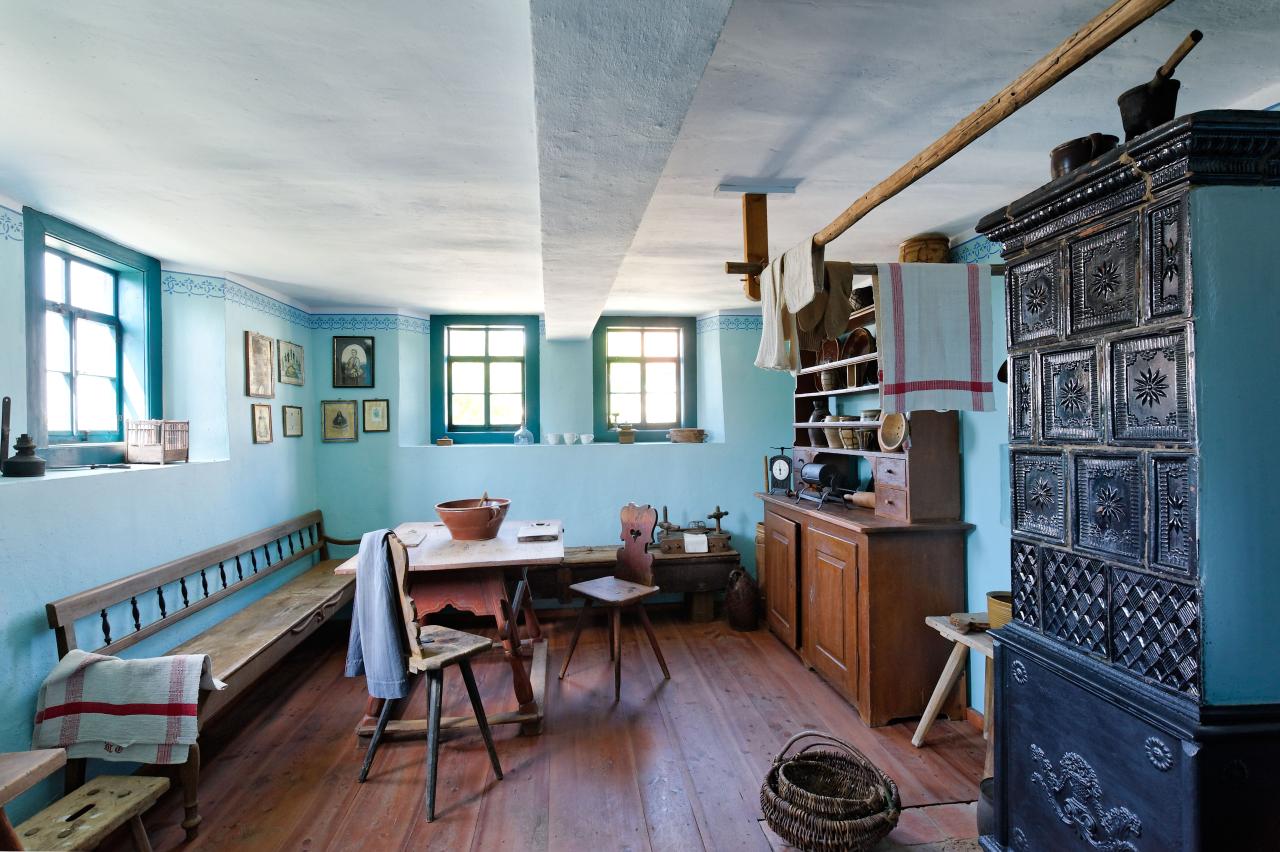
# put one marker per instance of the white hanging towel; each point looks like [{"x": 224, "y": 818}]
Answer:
[
  {"x": 787, "y": 285},
  {"x": 934, "y": 327}
]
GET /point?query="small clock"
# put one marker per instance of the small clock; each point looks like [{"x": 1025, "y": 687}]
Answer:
[{"x": 780, "y": 467}]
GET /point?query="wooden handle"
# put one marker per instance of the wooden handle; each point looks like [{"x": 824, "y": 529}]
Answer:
[
  {"x": 1192, "y": 39},
  {"x": 1101, "y": 32}
]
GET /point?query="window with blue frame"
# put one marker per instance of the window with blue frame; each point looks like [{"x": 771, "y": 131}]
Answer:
[
  {"x": 93, "y": 339},
  {"x": 646, "y": 375},
  {"x": 82, "y": 350},
  {"x": 484, "y": 381}
]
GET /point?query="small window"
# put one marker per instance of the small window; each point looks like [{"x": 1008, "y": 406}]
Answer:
[
  {"x": 645, "y": 371},
  {"x": 93, "y": 339},
  {"x": 82, "y": 350},
  {"x": 484, "y": 377}
]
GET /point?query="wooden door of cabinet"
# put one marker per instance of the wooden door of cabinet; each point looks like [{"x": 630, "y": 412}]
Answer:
[
  {"x": 781, "y": 552},
  {"x": 830, "y": 605}
]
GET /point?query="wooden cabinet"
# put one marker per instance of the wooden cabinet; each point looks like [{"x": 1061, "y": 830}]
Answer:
[
  {"x": 830, "y": 573},
  {"x": 781, "y": 551},
  {"x": 866, "y": 583}
]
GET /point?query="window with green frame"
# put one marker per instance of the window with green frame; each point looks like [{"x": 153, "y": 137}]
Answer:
[
  {"x": 646, "y": 375},
  {"x": 82, "y": 350},
  {"x": 93, "y": 339},
  {"x": 484, "y": 377}
]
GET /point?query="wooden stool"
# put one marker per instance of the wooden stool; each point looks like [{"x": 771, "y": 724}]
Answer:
[
  {"x": 980, "y": 641},
  {"x": 83, "y": 819},
  {"x": 438, "y": 648}
]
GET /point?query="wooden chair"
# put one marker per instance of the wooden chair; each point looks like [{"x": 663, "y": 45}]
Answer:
[
  {"x": 630, "y": 584},
  {"x": 430, "y": 649}
]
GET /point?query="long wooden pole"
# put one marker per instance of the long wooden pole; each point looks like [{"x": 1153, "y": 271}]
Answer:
[{"x": 1087, "y": 42}]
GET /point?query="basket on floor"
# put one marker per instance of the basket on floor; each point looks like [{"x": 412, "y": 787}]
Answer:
[{"x": 827, "y": 800}]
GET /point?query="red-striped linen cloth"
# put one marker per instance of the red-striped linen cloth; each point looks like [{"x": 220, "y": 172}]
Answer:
[
  {"x": 933, "y": 321},
  {"x": 136, "y": 710}
]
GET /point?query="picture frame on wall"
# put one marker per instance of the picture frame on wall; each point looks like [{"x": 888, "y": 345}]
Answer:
[
  {"x": 259, "y": 365},
  {"x": 261, "y": 413},
  {"x": 353, "y": 362},
  {"x": 291, "y": 421},
  {"x": 338, "y": 420},
  {"x": 377, "y": 415},
  {"x": 292, "y": 366}
]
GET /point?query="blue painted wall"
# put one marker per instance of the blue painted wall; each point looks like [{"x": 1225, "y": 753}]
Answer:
[
  {"x": 984, "y": 447},
  {"x": 1236, "y": 291}
]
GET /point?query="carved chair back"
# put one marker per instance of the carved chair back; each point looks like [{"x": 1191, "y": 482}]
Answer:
[{"x": 635, "y": 562}]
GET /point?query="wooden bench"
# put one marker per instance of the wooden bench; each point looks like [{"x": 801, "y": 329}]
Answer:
[
  {"x": 242, "y": 647},
  {"x": 84, "y": 819},
  {"x": 697, "y": 575}
]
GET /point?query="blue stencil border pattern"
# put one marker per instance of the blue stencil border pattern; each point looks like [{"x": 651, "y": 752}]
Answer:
[
  {"x": 205, "y": 286},
  {"x": 977, "y": 249},
  {"x": 10, "y": 225},
  {"x": 730, "y": 322}
]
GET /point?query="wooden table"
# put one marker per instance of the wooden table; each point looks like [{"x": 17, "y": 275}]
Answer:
[
  {"x": 470, "y": 576},
  {"x": 19, "y": 772},
  {"x": 977, "y": 640}
]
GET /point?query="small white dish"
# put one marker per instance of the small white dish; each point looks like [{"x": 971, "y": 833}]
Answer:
[
  {"x": 553, "y": 437},
  {"x": 570, "y": 437},
  {"x": 586, "y": 438}
]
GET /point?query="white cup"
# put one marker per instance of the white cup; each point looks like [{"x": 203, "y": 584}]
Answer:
[
  {"x": 553, "y": 437},
  {"x": 570, "y": 437},
  {"x": 586, "y": 437}
]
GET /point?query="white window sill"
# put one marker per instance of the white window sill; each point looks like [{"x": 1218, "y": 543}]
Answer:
[{"x": 59, "y": 475}]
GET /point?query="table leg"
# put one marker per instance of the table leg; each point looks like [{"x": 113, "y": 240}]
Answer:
[
  {"x": 8, "y": 837},
  {"x": 507, "y": 629},
  {"x": 530, "y": 616},
  {"x": 950, "y": 674},
  {"x": 989, "y": 719}
]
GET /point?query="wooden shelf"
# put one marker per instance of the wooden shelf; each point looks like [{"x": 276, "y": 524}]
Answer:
[
  {"x": 843, "y": 362},
  {"x": 871, "y": 454},
  {"x": 861, "y": 317},
  {"x": 840, "y": 424},
  {"x": 840, "y": 392}
]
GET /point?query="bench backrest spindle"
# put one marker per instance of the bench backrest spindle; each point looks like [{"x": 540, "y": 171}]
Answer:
[{"x": 62, "y": 614}]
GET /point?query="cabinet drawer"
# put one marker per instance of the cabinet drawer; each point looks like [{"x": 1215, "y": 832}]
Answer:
[
  {"x": 891, "y": 502},
  {"x": 891, "y": 472}
]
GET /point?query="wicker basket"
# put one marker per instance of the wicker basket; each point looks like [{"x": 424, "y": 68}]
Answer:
[{"x": 828, "y": 800}]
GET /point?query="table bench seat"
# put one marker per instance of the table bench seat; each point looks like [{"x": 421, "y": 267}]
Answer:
[{"x": 253, "y": 640}]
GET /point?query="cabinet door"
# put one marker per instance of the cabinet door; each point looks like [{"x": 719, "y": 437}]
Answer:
[
  {"x": 831, "y": 605},
  {"x": 781, "y": 546}
]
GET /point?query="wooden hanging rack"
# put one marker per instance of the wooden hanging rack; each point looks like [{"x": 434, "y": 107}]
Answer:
[{"x": 1101, "y": 32}]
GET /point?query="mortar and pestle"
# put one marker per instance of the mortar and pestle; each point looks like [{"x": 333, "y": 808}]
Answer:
[{"x": 1152, "y": 104}]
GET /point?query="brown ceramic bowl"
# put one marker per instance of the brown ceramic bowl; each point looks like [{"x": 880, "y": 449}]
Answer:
[{"x": 473, "y": 519}]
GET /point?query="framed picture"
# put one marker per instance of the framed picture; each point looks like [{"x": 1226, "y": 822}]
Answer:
[
  {"x": 291, "y": 366},
  {"x": 338, "y": 418},
  {"x": 261, "y": 423},
  {"x": 353, "y": 362},
  {"x": 291, "y": 418},
  {"x": 377, "y": 415},
  {"x": 259, "y": 365}
]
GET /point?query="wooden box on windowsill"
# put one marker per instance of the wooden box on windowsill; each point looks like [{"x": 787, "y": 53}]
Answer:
[{"x": 157, "y": 441}]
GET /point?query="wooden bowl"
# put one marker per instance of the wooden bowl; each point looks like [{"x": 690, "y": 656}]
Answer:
[
  {"x": 893, "y": 432},
  {"x": 473, "y": 519},
  {"x": 999, "y": 608}
]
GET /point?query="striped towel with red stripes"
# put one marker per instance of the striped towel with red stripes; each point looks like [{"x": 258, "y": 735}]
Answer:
[
  {"x": 137, "y": 710},
  {"x": 933, "y": 321}
]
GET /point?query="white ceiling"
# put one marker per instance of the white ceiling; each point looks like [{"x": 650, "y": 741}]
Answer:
[{"x": 516, "y": 155}]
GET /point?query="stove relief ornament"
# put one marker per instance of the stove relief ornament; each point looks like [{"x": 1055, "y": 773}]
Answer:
[
  {"x": 1158, "y": 753},
  {"x": 1020, "y": 391},
  {"x": 1040, "y": 500},
  {"x": 1075, "y": 795},
  {"x": 1070, "y": 395},
  {"x": 1033, "y": 300},
  {"x": 1109, "y": 505},
  {"x": 1173, "y": 518},
  {"x": 1151, "y": 388},
  {"x": 1103, "y": 278},
  {"x": 1168, "y": 256}
]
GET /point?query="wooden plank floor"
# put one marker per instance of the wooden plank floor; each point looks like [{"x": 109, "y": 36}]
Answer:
[{"x": 675, "y": 766}]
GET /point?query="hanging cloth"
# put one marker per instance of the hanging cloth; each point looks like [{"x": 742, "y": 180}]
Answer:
[
  {"x": 790, "y": 283},
  {"x": 934, "y": 323}
]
